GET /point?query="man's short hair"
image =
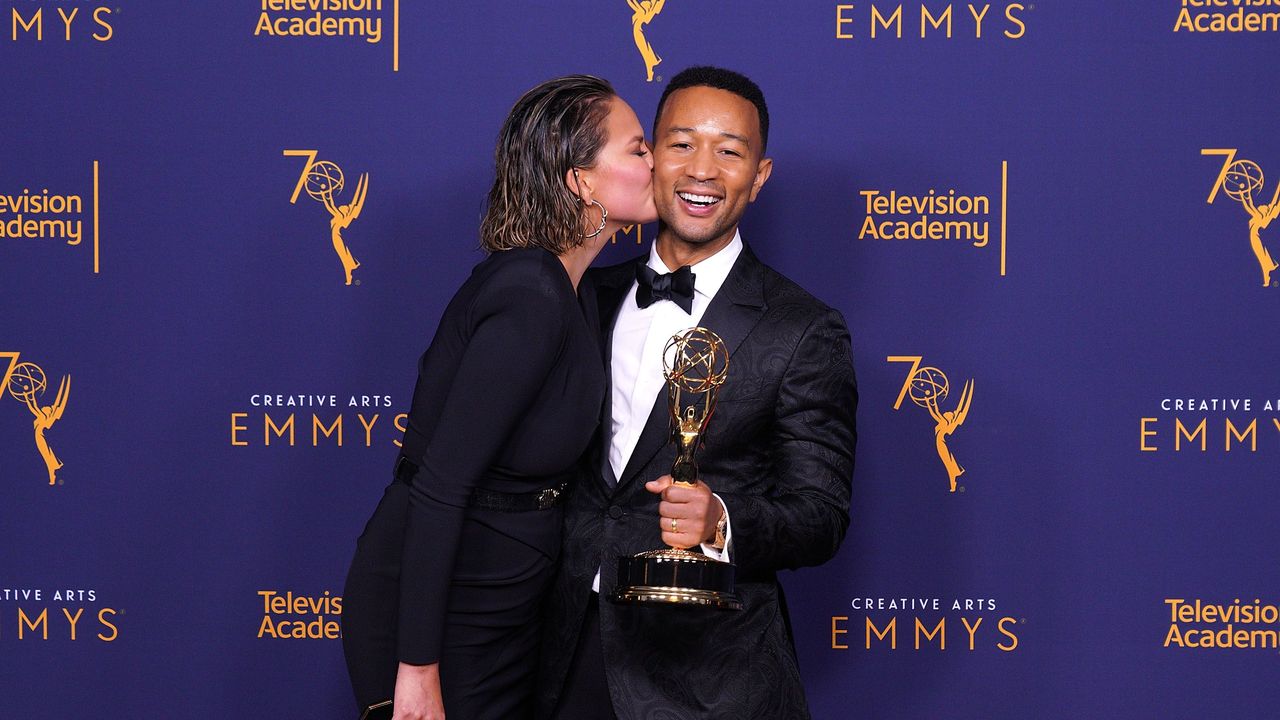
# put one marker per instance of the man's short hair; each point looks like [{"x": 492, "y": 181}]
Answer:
[{"x": 721, "y": 79}]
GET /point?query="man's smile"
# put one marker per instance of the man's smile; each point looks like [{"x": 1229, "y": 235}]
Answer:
[{"x": 698, "y": 204}]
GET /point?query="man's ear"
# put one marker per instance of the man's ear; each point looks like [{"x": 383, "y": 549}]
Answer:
[{"x": 763, "y": 170}]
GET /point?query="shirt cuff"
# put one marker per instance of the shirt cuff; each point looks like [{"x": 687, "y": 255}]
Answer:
[{"x": 721, "y": 554}]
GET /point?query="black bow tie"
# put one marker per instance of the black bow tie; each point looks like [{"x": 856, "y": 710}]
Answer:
[{"x": 676, "y": 287}]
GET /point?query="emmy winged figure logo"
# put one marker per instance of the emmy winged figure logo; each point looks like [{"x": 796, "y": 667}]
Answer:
[
  {"x": 928, "y": 386},
  {"x": 26, "y": 382},
  {"x": 324, "y": 181},
  {"x": 1242, "y": 180},
  {"x": 642, "y": 13}
]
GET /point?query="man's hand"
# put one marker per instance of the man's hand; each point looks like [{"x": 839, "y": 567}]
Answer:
[
  {"x": 688, "y": 515},
  {"x": 418, "y": 693}
]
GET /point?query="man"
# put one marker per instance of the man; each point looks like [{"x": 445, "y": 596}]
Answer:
[{"x": 775, "y": 474}]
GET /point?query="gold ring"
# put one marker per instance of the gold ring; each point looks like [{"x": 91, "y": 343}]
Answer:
[{"x": 673, "y": 525}]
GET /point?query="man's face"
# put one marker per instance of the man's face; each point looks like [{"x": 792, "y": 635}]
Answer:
[{"x": 708, "y": 163}]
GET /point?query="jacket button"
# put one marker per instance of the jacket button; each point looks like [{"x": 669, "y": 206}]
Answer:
[{"x": 615, "y": 512}]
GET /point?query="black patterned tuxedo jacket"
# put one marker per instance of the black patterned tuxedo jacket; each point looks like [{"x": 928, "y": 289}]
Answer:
[{"x": 779, "y": 452}]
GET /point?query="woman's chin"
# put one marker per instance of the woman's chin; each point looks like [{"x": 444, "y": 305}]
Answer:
[{"x": 638, "y": 220}]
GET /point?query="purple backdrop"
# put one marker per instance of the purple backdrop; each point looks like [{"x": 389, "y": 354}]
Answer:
[{"x": 1050, "y": 183}]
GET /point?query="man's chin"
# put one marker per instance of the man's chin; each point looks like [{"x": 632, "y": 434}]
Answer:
[{"x": 699, "y": 235}]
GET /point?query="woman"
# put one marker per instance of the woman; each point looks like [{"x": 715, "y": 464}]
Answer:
[{"x": 441, "y": 604}]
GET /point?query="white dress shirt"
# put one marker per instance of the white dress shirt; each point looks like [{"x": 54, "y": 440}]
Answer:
[{"x": 639, "y": 336}]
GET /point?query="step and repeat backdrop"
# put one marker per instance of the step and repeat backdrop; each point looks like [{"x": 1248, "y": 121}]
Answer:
[{"x": 1059, "y": 219}]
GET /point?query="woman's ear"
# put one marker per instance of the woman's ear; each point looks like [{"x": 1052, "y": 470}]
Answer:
[{"x": 579, "y": 183}]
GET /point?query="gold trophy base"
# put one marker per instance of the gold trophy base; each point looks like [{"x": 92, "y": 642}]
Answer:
[{"x": 675, "y": 577}]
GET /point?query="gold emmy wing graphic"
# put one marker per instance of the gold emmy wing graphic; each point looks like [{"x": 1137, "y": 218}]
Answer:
[
  {"x": 323, "y": 180},
  {"x": 928, "y": 386},
  {"x": 1241, "y": 180},
  {"x": 643, "y": 13},
  {"x": 26, "y": 382}
]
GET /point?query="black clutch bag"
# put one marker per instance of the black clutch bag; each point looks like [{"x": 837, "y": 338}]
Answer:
[{"x": 377, "y": 711}]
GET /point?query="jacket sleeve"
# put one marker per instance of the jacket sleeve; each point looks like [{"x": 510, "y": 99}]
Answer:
[
  {"x": 518, "y": 335},
  {"x": 803, "y": 520}
]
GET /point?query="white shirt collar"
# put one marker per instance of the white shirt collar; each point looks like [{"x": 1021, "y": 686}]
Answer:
[{"x": 710, "y": 273}]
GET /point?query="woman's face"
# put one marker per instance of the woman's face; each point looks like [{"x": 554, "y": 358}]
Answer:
[{"x": 622, "y": 179}]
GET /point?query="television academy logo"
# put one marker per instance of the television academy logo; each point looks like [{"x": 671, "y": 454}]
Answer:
[
  {"x": 43, "y": 215},
  {"x": 945, "y": 216},
  {"x": 643, "y": 12},
  {"x": 342, "y": 19},
  {"x": 1238, "y": 625},
  {"x": 1227, "y": 16},
  {"x": 323, "y": 181},
  {"x": 928, "y": 386},
  {"x": 1242, "y": 181},
  {"x": 27, "y": 383},
  {"x": 296, "y": 616}
]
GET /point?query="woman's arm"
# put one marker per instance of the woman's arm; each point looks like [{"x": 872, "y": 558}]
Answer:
[{"x": 517, "y": 334}]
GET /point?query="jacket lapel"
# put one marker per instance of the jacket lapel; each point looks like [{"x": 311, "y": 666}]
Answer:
[
  {"x": 612, "y": 284},
  {"x": 732, "y": 314}
]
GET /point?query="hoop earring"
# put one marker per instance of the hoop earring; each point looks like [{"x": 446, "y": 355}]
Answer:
[{"x": 604, "y": 214}]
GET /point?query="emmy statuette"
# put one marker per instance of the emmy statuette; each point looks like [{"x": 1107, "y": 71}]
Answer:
[{"x": 695, "y": 363}]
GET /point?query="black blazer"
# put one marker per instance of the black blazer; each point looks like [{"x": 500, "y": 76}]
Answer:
[{"x": 779, "y": 452}]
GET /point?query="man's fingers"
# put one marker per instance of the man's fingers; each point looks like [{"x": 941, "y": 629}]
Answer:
[
  {"x": 684, "y": 494},
  {"x": 681, "y": 540},
  {"x": 658, "y": 486},
  {"x": 679, "y": 511}
]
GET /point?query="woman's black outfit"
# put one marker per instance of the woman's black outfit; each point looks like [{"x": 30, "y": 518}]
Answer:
[{"x": 454, "y": 563}]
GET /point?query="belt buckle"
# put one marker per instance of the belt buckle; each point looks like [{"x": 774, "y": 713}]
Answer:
[{"x": 547, "y": 498}]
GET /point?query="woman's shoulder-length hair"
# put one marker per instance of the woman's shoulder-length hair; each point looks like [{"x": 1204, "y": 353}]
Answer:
[{"x": 553, "y": 128}]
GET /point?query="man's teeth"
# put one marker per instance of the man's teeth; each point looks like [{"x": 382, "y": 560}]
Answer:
[{"x": 702, "y": 200}]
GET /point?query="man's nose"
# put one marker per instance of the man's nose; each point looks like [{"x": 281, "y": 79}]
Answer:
[{"x": 702, "y": 165}]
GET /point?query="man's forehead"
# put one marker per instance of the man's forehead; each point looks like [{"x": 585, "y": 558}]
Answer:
[{"x": 700, "y": 105}]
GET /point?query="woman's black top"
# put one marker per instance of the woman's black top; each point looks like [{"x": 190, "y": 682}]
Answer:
[{"x": 508, "y": 396}]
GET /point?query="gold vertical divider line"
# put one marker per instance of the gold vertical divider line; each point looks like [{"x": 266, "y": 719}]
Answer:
[
  {"x": 1004, "y": 211},
  {"x": 95, "y": 217},
  {"x": 395, "y": 38}
]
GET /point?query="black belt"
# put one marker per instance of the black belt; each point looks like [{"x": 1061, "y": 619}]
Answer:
[{"x": 486, "y": 499}]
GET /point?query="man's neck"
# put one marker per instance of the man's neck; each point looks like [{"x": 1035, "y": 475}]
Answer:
[{"x": 676, "y": 253}]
